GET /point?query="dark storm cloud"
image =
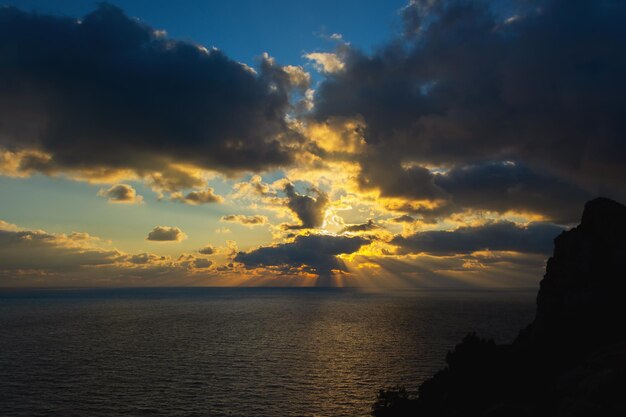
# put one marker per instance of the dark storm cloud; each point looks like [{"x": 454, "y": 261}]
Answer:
[
  {"x": 312, "y": 253},
  {"x": 501, "y": 236},
  {"x": 109, "y": 91},
  {"x": 512, "y": 186},
  {"x": 394, "y": 180},
  {"x": 310, "y": 210},
  {"x": 539, "y": 83},
  {"x": 495, "y": 186}
]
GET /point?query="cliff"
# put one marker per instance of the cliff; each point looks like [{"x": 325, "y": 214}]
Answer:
[{"x": 570, "y": 361}]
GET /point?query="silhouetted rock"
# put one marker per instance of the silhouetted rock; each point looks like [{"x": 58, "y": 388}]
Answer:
[
  {"x": 570, "y": 362},
  {"x": 583, "y": 289}
]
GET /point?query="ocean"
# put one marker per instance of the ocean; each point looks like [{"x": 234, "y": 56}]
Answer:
[{"x": 249, "y": 352}]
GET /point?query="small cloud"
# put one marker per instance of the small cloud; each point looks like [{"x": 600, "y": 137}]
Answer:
[
  {"x": 207, "y": 250},
  {"x": 7, "y": 226},
  {"x": 202, "y": 263},
  {"x": 144, "y": 258},
  {"x": 224, "y": 268},
  {"x": 512, "y": 19},
  {"x": 251, "y": 221},
  {"x": 166, "y": 234},
  {"x": 197, "y": 197},
  {"x": 403, "y": 219},
  {"x": 231, "y": 249},
  {"x": 365, "y": 227},
  {"x": 223, "y": 230},
  {"x": 326, "y": 62},
  {"x": 534, "y": 238},
  {"x": 298, "y": 77},
  {"x": 310, "y": 253},
  {"x": 192, "y": 262},
  {"x": 254, "y": 187},
  {"x": 121, "y": 193},
  {"x": 309, "y": 210},
  {"x": 172, "y": 179}
]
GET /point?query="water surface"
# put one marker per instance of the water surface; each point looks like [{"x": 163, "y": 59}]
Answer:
[{"x": 232, "y": 352}]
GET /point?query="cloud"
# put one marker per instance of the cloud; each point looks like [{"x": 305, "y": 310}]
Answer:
[
  {"x": 201, "y": 263},
  {"x": 309, "y": 210},
  {"x": 166, "y": 234},
  {"x": 231, "y": 249},
  {"x": 509, "y": 186},
  {"x": 309, "y": 253},
  {"x": 109, "y": 92},
  {"x": 336, "y": 137},
  {"x": 171, "y": 179},
  {"x": 145, "y": 258},
  {"x": 326, "y": 62},
  {"x": 207, "y": 250},
  {"x": 467, "y": 87},
  {"x": 254, "y": 187},
  {"x": 394, "y": 180},
  {"x": 193, "y": 262},
  {"x": 536, "y": 238},
  {"x": 493, "y": 186},
  {"x": 6, "y": 226},
  {"x": 121, "y": 193},
  {"x": 405, "y": 218},
  {"x": 298, "y": 77},
  {"x": 197, "y": 197},
  {"x": 364, "y": 227},
  {"x": 40, "y": 258},
  {"x": 255, "y": 220},
  {"x": 37, "y": 250}
]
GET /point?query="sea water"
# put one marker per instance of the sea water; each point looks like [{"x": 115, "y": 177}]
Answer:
[{"x": 249, "y": 352}]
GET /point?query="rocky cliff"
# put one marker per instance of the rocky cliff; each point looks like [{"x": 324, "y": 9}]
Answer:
[{"x": 571, "y": 361}]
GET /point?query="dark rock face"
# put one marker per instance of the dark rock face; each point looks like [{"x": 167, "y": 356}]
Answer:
[
  {"x": 583, "y": 289},
  {"x": 571, "y": 361}
]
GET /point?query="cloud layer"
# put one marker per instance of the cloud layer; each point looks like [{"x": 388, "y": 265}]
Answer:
[
  {"x": 307, "y": 253},
  {"x": 463, "y": 145},
  {"x": 110, "y": 92},
  {"x": 39, "y": 258},
  {"x": 468, "y": 86},
  {"x": 255, "y": 220},
  {"x": 501, "y": 236}
]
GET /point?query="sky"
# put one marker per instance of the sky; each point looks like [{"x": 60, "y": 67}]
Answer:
[{"x": 428, "y": 144}]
